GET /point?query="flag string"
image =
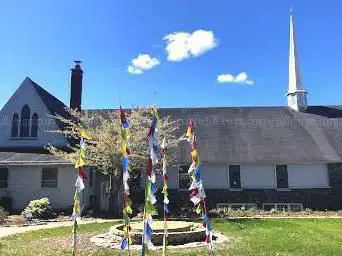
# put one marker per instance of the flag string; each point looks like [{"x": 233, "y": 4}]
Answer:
[
  {"x": 197, "y": 195},
  {"x": 79, "y": 186},
  {"x": 165, "y": 192},
  {"x": 151, "y": 187},
  {"x": 127, "y": 203}
]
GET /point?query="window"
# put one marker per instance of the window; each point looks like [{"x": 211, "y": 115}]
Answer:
[
  {"x": 282, "y": 177},
  {"x": 25, "y": 122},
  {"x": 234, "y": 177},
  {"x": 283, "y": 207},
  {"x": 15, "y": 125},
  {"x": 184, "y": 181},
  {"x": 297, "y": 207},
  {"x": 49, "y": 177},
  {"x": 34, "y": 125},
  {"x": 236, "y": 206},
  {"x": 3, "y": 177},
  {"x": 268, "y": 207}
]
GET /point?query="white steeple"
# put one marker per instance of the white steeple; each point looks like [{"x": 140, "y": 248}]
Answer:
[{"x": 296, "y": 96}]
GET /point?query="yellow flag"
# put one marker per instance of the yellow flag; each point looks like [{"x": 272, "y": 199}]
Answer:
[
  {"x": 127, "y": 209},
  {"x": 80, "y": 162},
  {"x": 194, "y": 154},
  {"x": 85, "y": 135},
  {"x": 124, "y": 148},
  {"x": 77, "y": 207},
  {"x": 189, "y": 132},
  {"x": 82, "y": 153}
]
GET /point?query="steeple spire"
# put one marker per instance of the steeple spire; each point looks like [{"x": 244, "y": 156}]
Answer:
[{"x": 296, "y": 96}]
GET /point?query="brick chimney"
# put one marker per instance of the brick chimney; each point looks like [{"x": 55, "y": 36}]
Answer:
[{"x": 76, "y": 86}]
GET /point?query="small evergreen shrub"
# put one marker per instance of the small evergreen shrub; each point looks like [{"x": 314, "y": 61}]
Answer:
[
  {"x": 40, "y": 209},
  {"x": 3, "y": 215}
]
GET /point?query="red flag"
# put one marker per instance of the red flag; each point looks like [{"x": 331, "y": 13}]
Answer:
[
  {"x": 122, "y": 116},
  {"x": 82, "y": 173},
  {"x": 207, "y": 239},
  {"x": 149, "y": 168},
  {"x": 193, "y": 144},
  {"x": 194, "y": 192}
]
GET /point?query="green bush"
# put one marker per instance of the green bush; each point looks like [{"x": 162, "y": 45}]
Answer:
[
  {"x": 3, "y": 215},
  {"x": 40, "y": 209}
]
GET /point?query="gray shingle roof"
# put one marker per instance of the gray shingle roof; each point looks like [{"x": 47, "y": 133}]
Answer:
[
  {"x": 264, "y": 134},
  {"x": 29, "y": 159},
  {"x": 250, "y": 135},
  {"x": 54, "y": 105}
]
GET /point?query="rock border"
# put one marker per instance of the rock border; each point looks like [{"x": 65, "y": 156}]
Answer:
[{"x": 111, "y": 241}]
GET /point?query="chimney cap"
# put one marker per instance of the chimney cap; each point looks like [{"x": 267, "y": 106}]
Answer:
[{"x": 77, "y": 64}]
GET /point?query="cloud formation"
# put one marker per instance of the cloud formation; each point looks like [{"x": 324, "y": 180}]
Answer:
[
  {"x": 142, "y": 63},
  {"x": 183, "y": 45},
  {"x": 241, "y": 78}
]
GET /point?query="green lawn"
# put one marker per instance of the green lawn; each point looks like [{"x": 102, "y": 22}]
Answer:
[{"x": 247, "y": 237}]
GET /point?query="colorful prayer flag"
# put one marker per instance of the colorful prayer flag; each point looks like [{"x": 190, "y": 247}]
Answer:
[
  {"x": 197, "y": 194},
  {"x": 151, "y": 187},
  {"x": 127, "y": 203}
]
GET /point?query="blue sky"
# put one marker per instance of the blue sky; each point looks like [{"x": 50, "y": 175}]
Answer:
[{"x": 40, "y": 39}]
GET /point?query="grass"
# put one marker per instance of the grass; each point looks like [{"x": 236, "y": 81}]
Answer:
[{"x": 281, "y": 237}]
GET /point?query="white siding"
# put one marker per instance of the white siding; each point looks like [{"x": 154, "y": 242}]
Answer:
[
  {"x": 258, "y": 176},
  {"x": 215, "y": 176},
  {"x": 308, "y": 176},
  {"x": 26, "y": 94},
  {"x": 255, "y": 176},
  {"x": 172, "y": 173},
  {"x": 25, "y": 185}
]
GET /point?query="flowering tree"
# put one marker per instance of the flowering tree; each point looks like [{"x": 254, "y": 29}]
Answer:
[{"x": 104, "y": 150}]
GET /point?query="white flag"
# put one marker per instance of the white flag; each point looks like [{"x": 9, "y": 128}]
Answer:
[{"x": 79, "y": 184}]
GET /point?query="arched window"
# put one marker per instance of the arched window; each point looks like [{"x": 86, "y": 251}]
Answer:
[
  {"x": 34, "y": 125},
  {"x": 15, "y": 125},
  {"x": 25, "y": 122}
]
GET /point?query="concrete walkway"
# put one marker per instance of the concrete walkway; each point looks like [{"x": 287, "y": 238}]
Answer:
[{"x": 7, "y": 231}]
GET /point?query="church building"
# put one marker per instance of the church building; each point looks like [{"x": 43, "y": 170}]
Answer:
[{"x": 279, "y": 157}]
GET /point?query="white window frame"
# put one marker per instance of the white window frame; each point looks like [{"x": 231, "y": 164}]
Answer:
[
  {"x": 230, "y": 188},
  {"x": 230, "y": 205},
  {"x": 277, "y": 206}
]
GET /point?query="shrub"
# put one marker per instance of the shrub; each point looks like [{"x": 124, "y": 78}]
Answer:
[
  {"x": 3, "y": 215},
  {"x": 40, "y": 209}
]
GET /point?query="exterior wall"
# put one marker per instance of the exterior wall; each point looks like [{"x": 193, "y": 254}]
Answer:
[
  {"x": 215, "y": 176},
  {"x": 172, "y": 182},
  {"x": 258, "y": 176},
  {"x": 26, "y": 94},
  {"x": 25, "y": 185},
  {"x": 312, "y": 176},
  {"x": 315, "y": 186}
]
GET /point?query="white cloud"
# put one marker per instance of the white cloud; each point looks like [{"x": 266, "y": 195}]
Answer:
[
  {"x": 142, "y": 63},
  {"x": 241, "y": 78},
  {"x": 182, "y": 45}
]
